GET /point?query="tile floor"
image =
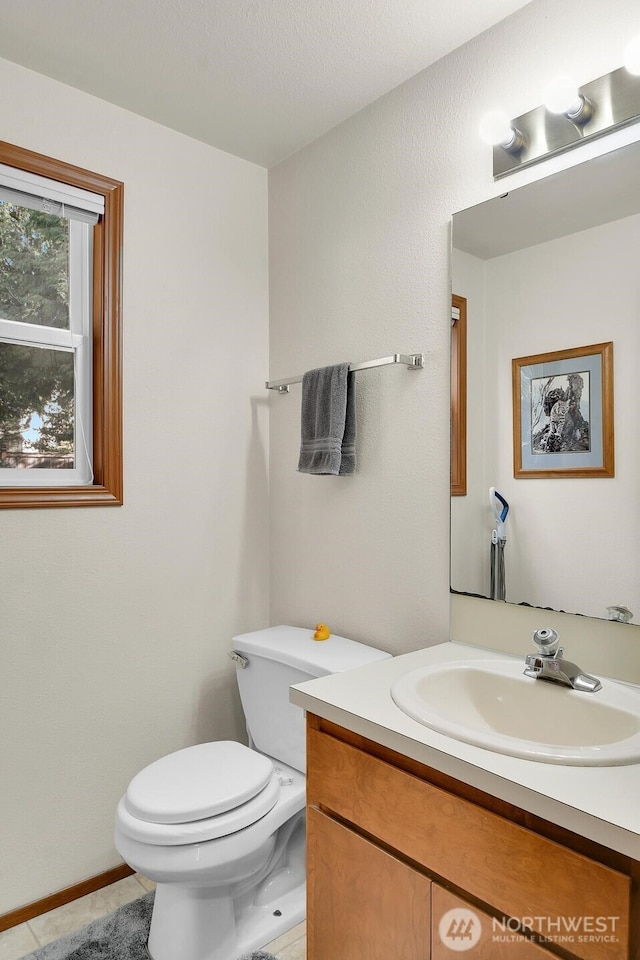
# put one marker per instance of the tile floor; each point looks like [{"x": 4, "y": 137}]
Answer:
[{"x": 27, "y": 937}]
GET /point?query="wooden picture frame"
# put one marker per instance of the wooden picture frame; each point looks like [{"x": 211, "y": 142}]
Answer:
[{"x": 563, "y": 413}]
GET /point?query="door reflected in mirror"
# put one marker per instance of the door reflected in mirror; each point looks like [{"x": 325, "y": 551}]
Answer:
[
  {"x": 547, "y": 269},
  {"x": 458, "y": 396}
]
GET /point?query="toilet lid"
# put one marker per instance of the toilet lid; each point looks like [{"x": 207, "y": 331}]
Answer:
[
  {"x": 211, "y": 828},
  {"x": 198, "y": 782}
]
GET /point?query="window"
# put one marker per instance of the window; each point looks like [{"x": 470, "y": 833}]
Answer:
[{"x": 60, "y": 367}]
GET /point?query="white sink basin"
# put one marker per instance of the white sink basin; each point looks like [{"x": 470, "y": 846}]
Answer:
[{"x": 491, "y": 704}]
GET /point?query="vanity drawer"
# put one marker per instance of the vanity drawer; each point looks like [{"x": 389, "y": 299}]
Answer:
[{"x": 508, "y": 867}]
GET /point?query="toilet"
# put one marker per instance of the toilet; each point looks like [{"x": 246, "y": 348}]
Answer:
[{"x": 220, "y": 827}]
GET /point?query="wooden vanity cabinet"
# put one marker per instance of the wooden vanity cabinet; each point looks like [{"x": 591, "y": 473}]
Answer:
[{"x": 393, "y": 846}]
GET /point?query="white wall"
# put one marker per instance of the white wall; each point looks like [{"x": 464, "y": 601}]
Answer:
[
  {"x": 359, "y": 259},
  {"x": 116, "y": 621}
]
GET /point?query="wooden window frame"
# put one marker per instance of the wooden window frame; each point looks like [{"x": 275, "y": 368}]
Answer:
[
  {"x": 107, "y": 486},
  {"x": 459, "y": 398}
]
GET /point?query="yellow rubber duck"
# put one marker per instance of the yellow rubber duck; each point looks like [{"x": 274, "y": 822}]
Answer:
[{"x": 322, "y": 632}]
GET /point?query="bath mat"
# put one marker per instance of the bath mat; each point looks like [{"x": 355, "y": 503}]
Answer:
[{"x": 121, "y": 935}]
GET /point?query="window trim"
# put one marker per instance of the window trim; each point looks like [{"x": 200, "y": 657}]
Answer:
[{"x": 107, "y": 486}]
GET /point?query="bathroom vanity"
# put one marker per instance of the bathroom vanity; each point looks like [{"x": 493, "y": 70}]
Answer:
[{"x": 405, "y": 825}]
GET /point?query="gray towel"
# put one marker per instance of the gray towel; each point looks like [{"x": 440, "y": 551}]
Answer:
[{"x": 328, "y": 428}]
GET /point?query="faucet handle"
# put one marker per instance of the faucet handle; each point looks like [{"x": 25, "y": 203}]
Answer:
[{"x": 546, "y": 640}]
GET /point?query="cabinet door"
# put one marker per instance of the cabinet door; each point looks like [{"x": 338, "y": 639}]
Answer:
[
  {"x": 363, "y": 903},
  {"x": 460, "y": 927}
]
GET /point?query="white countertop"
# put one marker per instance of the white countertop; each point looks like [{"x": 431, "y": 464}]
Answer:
[{"x": 602, "y": 803}]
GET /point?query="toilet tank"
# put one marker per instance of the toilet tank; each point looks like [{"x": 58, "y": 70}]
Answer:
[{"x": 278, "y": 657}]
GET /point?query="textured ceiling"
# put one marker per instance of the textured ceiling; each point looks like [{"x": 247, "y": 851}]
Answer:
[{"x": 256, "y": 78}]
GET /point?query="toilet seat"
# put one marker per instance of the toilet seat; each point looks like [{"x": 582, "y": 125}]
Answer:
[
  {"x": 209, "y": 828},
  {"x": 198, "y": 782}
]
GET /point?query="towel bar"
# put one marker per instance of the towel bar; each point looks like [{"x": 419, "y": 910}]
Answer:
[{"x": 413, "y": 361}]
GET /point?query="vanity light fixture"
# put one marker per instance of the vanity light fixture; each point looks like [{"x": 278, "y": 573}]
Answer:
[{"x": 570, "y": 116}]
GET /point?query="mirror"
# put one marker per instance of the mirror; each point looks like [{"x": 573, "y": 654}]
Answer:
[{"x": 551, "y": 268}]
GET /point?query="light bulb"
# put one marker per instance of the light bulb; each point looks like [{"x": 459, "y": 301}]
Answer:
[
  {"x": 495, "y": 128},
  {"x": 632, "y": 56},
  {"x": 563, "y": 97}
]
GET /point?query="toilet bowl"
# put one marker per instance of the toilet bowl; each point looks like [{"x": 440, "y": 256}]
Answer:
[
  {"x": 227, "y": 883},
  {"x": 220, "y": 827}
]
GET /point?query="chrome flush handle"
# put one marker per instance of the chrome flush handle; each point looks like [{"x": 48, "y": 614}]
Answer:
[{"x": 238, "y": 659}]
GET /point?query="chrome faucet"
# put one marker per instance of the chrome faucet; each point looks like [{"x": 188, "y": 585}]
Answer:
[{"x": 549, "y": 664}]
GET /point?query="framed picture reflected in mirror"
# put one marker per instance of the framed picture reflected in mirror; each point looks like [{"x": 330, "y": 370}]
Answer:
[{"x": 563, "y": 413}]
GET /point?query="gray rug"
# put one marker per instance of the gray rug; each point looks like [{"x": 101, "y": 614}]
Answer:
[{"x": 119, "y": 936}]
